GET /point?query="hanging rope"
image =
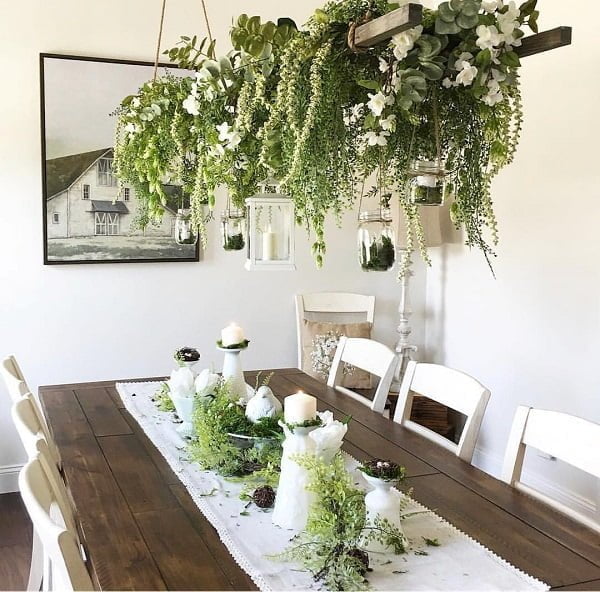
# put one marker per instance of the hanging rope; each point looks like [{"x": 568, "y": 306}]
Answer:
[
  {"x": 160, "y": 30},
  {"x": 436, "y": 128},
  {"x": 352, "y": 30},
  {"x": 210, "y": 37}
]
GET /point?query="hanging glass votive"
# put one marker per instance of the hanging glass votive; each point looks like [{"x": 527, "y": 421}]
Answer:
[
  {"x": 376, "y": 240},
  {"x": 184, "y": 230},
  {"x": 426, "y": 184},
  {"x": 233, "y": 229}
]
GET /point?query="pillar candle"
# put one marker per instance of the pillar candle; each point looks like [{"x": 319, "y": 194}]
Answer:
[
  {"x": 269, "y": 245},
  {"x": 232, "y": 334},
  {"x": 299, "y": 408}
]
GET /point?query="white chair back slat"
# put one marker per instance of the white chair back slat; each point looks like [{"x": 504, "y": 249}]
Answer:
[
  {"x": 66, "y": 568},
  {"x": 451, "y": 388},
  {"x": 571, "y": 439},
  {"x": 332, "y": 304},
  {"x": 368, "y": 355},
  {"x": 13, "y": 378},
  {"x": 34, "y": 441}
]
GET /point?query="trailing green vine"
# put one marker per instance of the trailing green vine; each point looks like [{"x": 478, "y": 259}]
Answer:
[{"x": 320, "y": 115}]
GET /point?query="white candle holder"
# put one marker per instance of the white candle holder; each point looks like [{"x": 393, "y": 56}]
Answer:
[
  {"x": 185, "y": 408},
  {"x": 293, "y": 501},
  {"x": 233, "y": 373},
  {"x": 382, "y": 502}
]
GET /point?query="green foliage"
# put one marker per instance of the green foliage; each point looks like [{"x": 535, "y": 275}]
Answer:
[
  {"x": 303, "y": 107},
  {"x": 379, "y": 256},
  {"x": 163, "y": 399},
  {"x": 213, "y": 448}
]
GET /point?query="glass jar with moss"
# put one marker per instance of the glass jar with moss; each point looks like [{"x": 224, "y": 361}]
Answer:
[
  {"x": 184, "y": 229},
  {"x": 376, "y": 240},
  {"x": 233, "y": 229},
  {"x": 427, "y": 183}
]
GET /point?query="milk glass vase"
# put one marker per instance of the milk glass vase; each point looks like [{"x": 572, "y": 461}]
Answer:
[
  {"x": 382, "y": 502},
  {"x": 376, "y": 240},
  {"x": 293, "y": 500},
  {"x": 426, "y": 184}
]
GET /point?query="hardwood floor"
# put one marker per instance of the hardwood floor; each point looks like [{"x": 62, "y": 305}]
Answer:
[{"x": 15, "y": 542}]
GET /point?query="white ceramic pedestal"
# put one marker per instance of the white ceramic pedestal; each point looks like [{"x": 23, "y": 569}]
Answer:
[
  {"x": 293, "y": 500},
  {"x": 185, "y": 408},
  {"x": 384, "y": 502},
  {"x": 232, "y": 372}
]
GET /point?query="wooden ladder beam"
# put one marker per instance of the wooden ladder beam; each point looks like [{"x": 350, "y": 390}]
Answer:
[
  {"x": 544, "y": 41},
  {"x": 386, "y": 26},
  {"x": 410, "y": 15}
]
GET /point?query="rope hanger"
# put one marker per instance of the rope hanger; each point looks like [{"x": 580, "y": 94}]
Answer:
[{"x": 160, "y": 31}]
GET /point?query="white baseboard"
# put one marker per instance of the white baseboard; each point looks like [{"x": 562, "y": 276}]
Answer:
[
  {"x": 492, "y": 463},
  {"x": 9, "y": 478}
]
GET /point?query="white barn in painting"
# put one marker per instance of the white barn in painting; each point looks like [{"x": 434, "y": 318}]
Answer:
[{"x": 83, "y": 199}]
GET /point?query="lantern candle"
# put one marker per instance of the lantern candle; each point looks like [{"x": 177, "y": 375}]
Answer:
[
  {"x": 299, "y": 408},
  {"x": 269, "y": 244},
  {"x": 232, "y": 335}
]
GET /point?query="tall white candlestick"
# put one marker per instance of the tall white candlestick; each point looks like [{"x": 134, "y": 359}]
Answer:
[
  {"x": 299, "y": 408},
  {"x": 232, "y": 334},
  {"x": 269, "y": 245}
]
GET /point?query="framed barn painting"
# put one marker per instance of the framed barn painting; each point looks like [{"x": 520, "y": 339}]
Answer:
[{"x": 89, "y": 217}]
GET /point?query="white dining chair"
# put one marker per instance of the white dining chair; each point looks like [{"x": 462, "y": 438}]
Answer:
[
  {"x": 368, "y": 355},
  {"x": 34, "y": 441},
  {"x": 571, "y": 439},
  {"x": 336, "y": 307},
  {"x": 65, "y": 567},
  {"x": 451, "y": 388},
  {"x": 13, "y": 378}
]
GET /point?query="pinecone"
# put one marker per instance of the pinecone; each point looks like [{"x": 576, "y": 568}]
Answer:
[
  {"x": 264, "y": 497},
  {"x": 362, "y": 556}
]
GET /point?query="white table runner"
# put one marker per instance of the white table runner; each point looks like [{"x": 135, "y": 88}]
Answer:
[{"x": 459, "y": 563}]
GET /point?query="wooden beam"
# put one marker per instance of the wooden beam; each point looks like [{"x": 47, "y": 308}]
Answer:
[
  {"x": 384, "y": 27},
  {"x": 544, "y": 41}
]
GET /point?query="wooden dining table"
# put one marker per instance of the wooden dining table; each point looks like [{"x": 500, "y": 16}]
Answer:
[{"x": 141, "y": 529}]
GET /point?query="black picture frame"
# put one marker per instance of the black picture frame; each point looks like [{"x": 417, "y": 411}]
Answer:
[{"x": 189, "y": 253}]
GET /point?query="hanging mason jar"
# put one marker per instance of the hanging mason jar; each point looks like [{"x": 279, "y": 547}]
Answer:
[
  {"x": 376, "y": 240},
  {"x": 426, "y": 183},
  {"x": 184, "y": 230},
  {"x": 233, "y": 229}
]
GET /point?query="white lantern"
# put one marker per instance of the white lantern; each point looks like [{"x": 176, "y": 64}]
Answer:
[{"x": 271, "y": 226}]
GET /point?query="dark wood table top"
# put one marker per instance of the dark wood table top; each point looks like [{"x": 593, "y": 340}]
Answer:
[{"x": 142, "y": 531}]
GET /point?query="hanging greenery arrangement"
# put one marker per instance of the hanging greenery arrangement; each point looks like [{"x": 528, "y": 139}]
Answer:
[{"x": 307, "y": 107}]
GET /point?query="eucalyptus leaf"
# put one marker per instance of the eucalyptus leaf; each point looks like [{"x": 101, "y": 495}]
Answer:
[
  {"x": 431, "y": 70},
  {"x": 446, "y": 28},
  {"x": 446, "y": 13},
  {"x": 465, "y": 21},
  {"x": 253, "y": 25}
]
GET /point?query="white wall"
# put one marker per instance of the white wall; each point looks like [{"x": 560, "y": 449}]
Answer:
[
  {"x": 95, "y": 322},
  {"x": 533, "y": 334}
]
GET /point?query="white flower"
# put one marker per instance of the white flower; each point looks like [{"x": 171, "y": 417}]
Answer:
[
  {"x": 498, "y": 75},
  {"x": 224, "y": 131},
  {"x": 390, "y": 99},
  {"x": 329, "y": 437},
  {"x": 447, "y": 83},
  {"x": 376, "y": 138},
  {"x": 234, "y": 140},
  {"x": 191, "y": 105},
  {"x": 194, "y": 89},
  {"x": 389, "y": 123},
  {"x": 181, "y": 383},
  {"x": 325, "y": 416},
  {"x": 216, "y": 150},
  {"x": 209, "y": 93},
  {"x": 376, "y": 103},
  {"x": 403, "y": 42},
  {"x": 487, "y": 37},
  {"x": 467, "y": 74},
  {"x": 230, "y": 109},
  {"x": 512, "y": 14},
  {"x": 130, "y": 128},
  {"x": 384, "y": 65},
  {"x": 203, "y": 74},
  {"x": 135, "y": 103},
  {"x": 206, "y": 383},
  {"x": 491, "y": 5}
]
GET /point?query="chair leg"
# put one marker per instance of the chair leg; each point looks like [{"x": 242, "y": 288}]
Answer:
[{"x": 36, "y": 568}]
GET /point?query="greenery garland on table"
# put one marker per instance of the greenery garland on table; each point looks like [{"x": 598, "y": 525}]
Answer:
[
  {"x": 330, "y": 547},
  {"x": 213, "y": 447},
  {"x": 320, "y": 116}
]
